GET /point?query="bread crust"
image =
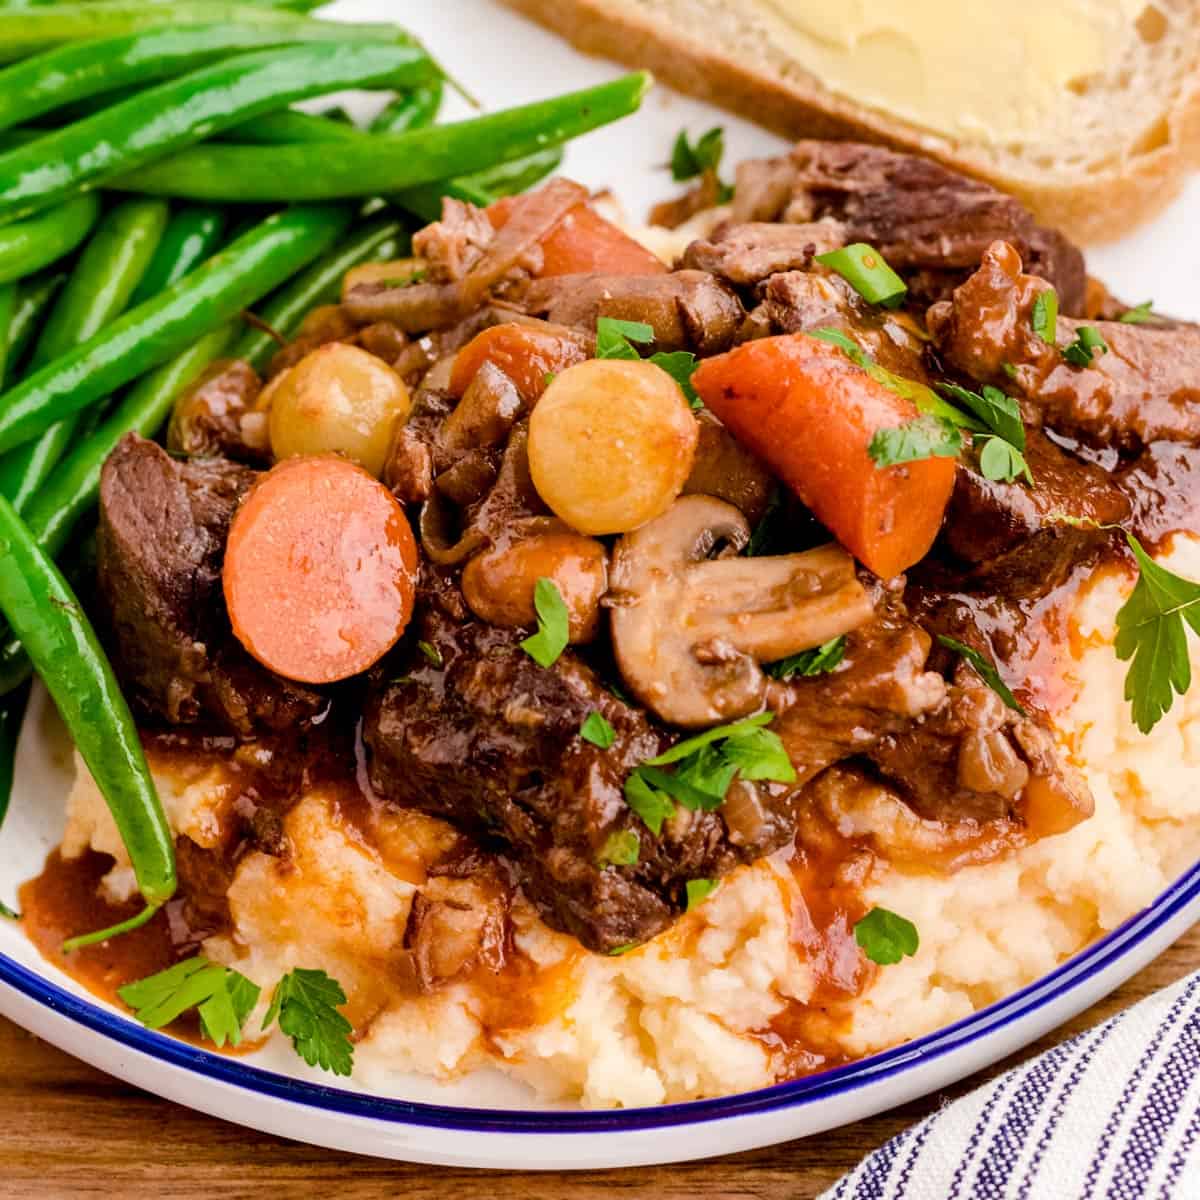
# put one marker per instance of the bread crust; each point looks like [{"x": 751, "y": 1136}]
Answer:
[{"x": 1099, "y": 208}]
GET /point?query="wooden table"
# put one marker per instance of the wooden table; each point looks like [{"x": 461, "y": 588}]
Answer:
[{"x": 66, "y": 1131}]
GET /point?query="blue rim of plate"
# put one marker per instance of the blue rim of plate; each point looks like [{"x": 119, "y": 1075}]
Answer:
[{"x": 804, "y": 1091}]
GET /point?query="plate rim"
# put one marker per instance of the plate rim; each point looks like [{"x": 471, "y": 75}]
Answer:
[{"x": 796, "y": 1094}]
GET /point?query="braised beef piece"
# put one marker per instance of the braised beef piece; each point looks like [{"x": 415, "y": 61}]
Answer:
[
  {"x": 490, "y": 741},
  {"x": 747, "y": 254},
  {"x": 1145, "y": 388},
  {"x": 1163, "y": 487},
  {"x": 929, "y": 222},
  {"x": 160, "y": 546},
  {"x": 1012, "y": 539},
  {"x": 724, "y": 468},
  {"x": 215, "y": 416},
  {"x": 688, "y": 310}
]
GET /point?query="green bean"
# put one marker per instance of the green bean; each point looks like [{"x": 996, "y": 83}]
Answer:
[
  {"x": 70, "y": 493},
  {"x": 320, "y": 284},
  {"x": 185, "y": 110},
  {"x": 34, "y": 297},
  {"x": 288, "y": 127},
  {"x": 505, "y": 179},
  {"x": 26, "y": 31},
  {"x": 28, "y": 246},
  {"x": 379, "y": 164},
  {"x": 79, "y": 71},
  {"x": 8, "y": 309},
  {"x": 108, "y": 270},
  {"x": 415, "y": 109},
  {"x": 160, "y": 328},
  {"x": 45, "y": 614},
  {"x": 191, "y": 237}
]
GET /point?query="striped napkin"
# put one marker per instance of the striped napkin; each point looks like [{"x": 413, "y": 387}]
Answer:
[{"x": 1112, "y": 1113}]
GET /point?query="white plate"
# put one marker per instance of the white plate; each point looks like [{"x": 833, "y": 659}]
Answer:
[{"x": 481, "y": 1121}]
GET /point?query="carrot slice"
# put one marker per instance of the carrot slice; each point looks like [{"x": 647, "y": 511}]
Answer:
[
  {"x": 810, "y": 414},
  {"x": 524, "y": 353},
  {"x": 319, "y": 570},
  {"x": 583, "y": 242}
]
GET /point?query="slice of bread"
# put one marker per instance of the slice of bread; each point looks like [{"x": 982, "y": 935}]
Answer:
[{"x": 1111, "y": 148}]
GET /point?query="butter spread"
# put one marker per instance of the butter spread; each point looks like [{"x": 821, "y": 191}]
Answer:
[{"x": 995, "y": 71}]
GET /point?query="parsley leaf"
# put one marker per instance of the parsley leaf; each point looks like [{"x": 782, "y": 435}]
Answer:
[
  {"x": 614, "y": 338},
  {"x": 1087, "y": 344},
  {"x": 699, "y": 890},
  {"x": 430, "y": 653},
  {"x": 221, "y": 996},
  {"x": 986, "y": 671},
  {"x": 306, "y": 1003},
  {"x": 924, "y": 437},
  {"x": 545, "y": 646},
  {"x": 690, "y": 159},
  {"x": 1139, "y": 314},
  {"x": 652, "y": 805},
  {"x": 11, "y": 914},
  {"x": 999, "y": 413},
  {"x": 405, "y": 281},
  {"x": 885, "y": 937},
  {"x": 597, "y": 730},
  {"x": 682, "y": 750},
  {"x": 1151, "y": 633},
  {"x": 690, "y": 792},
  {"x": 1002, "y": 462},
  {"x": 681, "y": 366},
  {"x": 1045, "y": 316},
  {"x": 819, "y": 661},
  {"x": 617, "y": 951},
  {"x": 621, "y": 849}
]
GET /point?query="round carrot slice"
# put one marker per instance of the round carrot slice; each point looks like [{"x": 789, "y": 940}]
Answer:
[{"x": 320, "y": 570}]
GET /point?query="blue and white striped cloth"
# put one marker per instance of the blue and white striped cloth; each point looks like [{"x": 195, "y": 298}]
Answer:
[{"x": 1112, "y": 1113}]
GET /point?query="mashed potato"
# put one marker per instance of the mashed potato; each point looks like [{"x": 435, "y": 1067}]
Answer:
[{"x": 684, "y": 1016}]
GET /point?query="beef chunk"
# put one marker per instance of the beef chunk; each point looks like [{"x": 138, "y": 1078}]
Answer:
[
  {"x": 160, "y": 546},
  {"x": 1163, "y": 485},
  {"x": 747, "y": 254},
  {"x": 929, "y": 222},
  {"x": 490, "y": 741},
  {"x": 1146, "y": 388},
  {"x": 1010, "y": 539},
  {"x": 215, "y": 416},
  {"x": 688, "y": 310}
]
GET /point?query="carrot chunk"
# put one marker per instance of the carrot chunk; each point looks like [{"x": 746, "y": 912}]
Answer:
[
  {"x": 583, "y": 242},
  {"x": 319, "y": 570},
  {"x": 524, "y": 353},
  {"x": 810, "y": 414}
]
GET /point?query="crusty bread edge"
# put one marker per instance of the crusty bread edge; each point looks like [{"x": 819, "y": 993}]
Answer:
[{"x": 1100, "y": 208}]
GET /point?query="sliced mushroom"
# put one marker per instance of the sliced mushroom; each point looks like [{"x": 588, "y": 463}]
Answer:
[{"x": 690, "y": 630}]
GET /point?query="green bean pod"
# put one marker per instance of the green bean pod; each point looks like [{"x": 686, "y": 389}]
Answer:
[
  {"x": 45, "y": 614},
  {"x": 505, "y": 179},
  {"x": 415, "y": 109},
  {"x": 71, "y": 492},
  {"x": 158, "y": 329},
  {"x": 185, "y": 110},
  {"x": 78, "y": 71},
  {"x": 291, "y": 128},
  {"x": 108, "y": 270},
  {"x": 320, "y": 284},
  {"x": 380, "y": 164},
  {"x": 34, "y": 297},
  {"x": 8, "y": 309},
  {"x": 192, "y": 236},
  {"x": 28, "y": 246},
  {"x": 28, "y": 31}
]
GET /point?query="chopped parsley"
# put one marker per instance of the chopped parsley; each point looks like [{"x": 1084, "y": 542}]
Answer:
[
  {"x": 406, "y": 281},
  {"x": 1152, "y": 637},
  {"x": 221, "y": 996},
  {"x": 999, "y": 431},
  {"x": 431, "y": 654},
  {"x": 818, "y": 661},
  {"x": 985, "y": 670},
  {"x": 867, "y": 272},
  {"x": 1001, "y": 461},
  {"x": 886, "y": 937},
  {"x": 617, "y": 951},
  {"x": 1045, "y": 316},
  {"x": 921, "y": 438},
  {"x": 11, "y": 914},
  {"x": 1009, "y": 370},
  {"x": 306, "y": 1003},
  {"x": 597, "y": 730},
  {"x": 705, "y": 767},
  {"x": 1087, "y": 344},
  {"x": 621, "y": 849},
  {"x": 615, "y": 339},
  {"x": 690, "y": 160},
  {"x": 1139, "y": 314},
  {"x": 545, "y": 646},
  {"x": 699, "y": 890},
  {"x": 770, "y": 531}
]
